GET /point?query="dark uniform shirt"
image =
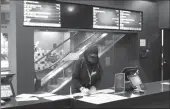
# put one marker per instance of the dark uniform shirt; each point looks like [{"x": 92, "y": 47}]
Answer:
[{"x": 86, "y": 74}]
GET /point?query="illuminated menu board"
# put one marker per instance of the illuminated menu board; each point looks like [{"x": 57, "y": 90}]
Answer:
[
  {"x": 38, "y": 13},
  {"x": 104, "y": 18},
  {"x": 130, "y": 20}
]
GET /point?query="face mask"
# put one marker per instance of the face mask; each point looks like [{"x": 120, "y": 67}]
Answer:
[{"x": 92, "y": 59}]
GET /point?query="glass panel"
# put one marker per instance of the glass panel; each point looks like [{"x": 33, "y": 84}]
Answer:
[
  {"x": 5, "y": 16},
  {"x": 108, "y": 41},
  {"x": 67, "y": 72},
  {"x": 87, "y": 41},
  {"x": 51, "y": 61},
  {"x": 50, "y": 47},
  {"x": 4, "y": 51},
  {"x": 103, "y": 40}
]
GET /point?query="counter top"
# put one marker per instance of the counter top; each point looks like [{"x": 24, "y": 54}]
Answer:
[
  {"x": 150, "y": 89},
  {"x": 41, "y": 103},
  {"x": 155, "y": 93}
]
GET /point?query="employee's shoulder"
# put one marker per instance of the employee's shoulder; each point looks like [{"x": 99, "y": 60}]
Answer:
[{"x": 79, "y": 61}]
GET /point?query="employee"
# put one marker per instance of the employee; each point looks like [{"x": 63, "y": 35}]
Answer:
[{"x": 87, "y": 72}]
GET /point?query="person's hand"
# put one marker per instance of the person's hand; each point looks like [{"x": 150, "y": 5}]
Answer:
[
  {"x": 93, "y": 89},
  {"x": 85, "y": 91}
]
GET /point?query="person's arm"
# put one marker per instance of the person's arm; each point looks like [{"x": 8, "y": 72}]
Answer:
[{"x": 75, "y": 76}]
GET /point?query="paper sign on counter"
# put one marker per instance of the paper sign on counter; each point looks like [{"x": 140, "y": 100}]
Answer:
[
  {"x": 25, "y": 95},
  {"x": 101, "y": 98},
  {"x": 35, "y": 95},
  {"x": 57, "y": 97},
  {"x": 104, "y": 91},
  {"x": 44, "y": 95},
  {"x": 27, "y": 99}
]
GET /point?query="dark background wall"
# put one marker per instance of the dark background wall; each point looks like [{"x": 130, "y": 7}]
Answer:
[
  {"x": 23, "y": 63},
  {"x": 164, "y": 13}
]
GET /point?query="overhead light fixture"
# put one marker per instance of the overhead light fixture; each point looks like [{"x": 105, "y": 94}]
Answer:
[{"x": 70, "y": 8}]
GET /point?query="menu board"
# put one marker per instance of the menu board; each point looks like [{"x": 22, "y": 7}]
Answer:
[
  {"x": 130, "y": 20},
  {"x": 76, "y": 16},
  {"x": 105, "y": 18},
  {"x": 38, "y": 13},
  {"x": 79, "y": 16}
]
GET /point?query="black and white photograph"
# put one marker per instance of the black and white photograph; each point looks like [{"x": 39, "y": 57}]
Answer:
[{"x": 58, "y": 54}]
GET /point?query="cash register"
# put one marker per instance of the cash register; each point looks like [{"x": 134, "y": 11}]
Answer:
[
  {"x": 132, "y": 79},
  {"x": 7, "y": 90}
]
